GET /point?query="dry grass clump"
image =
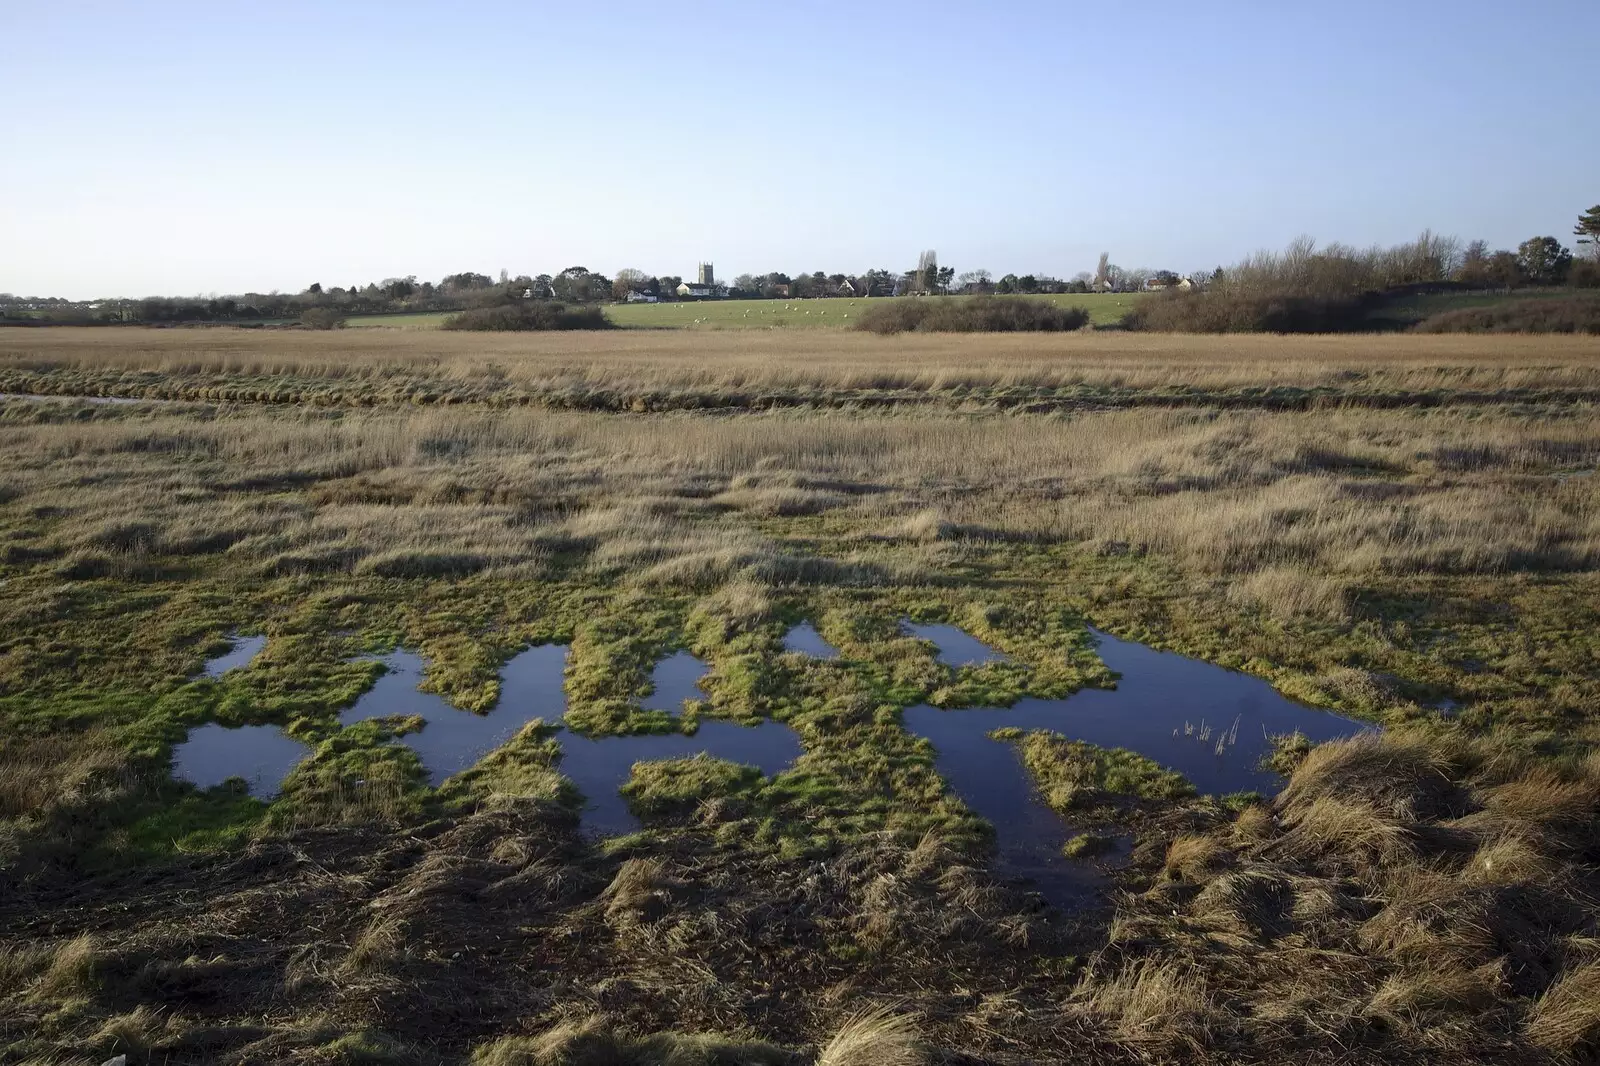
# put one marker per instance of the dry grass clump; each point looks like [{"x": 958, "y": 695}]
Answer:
[
  {"x": 594, "y": 1041},
  {"x": 1163, "y": 1007},
  {"x": 1404, "y": 775},
  {"x": 1290, "y": 593},
  {"x": 1190, "y": 857},
  {"x": 1426, "y": 889},
  {"x": 641, "y": 892},
  {"x": 737, "y": 607},
  {"x": 779, "y": 494},
  {"x": 72, "y": 971},
  {"x": 39, "y": 772},
  {"x": 876, "y": 1038},
  {"x": 1566, "y": 1019}
]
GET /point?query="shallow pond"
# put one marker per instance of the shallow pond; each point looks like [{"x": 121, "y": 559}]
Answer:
[
  {"x": 1209, "y": 723},
  {"x": 261, "y": 754},
  {"x": 676, "y": 679},
  {"x": 599, "y": 767},
  {"x": 1206, "y": 722},
  {"x": 453, "y": 739},
  {"x": 956, "y": 646},
  {"x": 805, "y": 639},
  {"x": 241, "y": 654}
]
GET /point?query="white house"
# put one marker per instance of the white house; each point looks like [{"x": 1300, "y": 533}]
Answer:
[
  {"x": 641, "y": 298},
  {"x": 694, "y": 290}
]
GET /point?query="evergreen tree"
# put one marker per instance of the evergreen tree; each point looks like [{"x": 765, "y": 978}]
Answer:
[{"x": 1588, "y": 231}]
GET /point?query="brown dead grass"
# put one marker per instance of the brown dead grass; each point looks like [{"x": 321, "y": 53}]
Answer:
[
  {"x": 755, "y": 360},
  {"x": 875, "y": 1038}
]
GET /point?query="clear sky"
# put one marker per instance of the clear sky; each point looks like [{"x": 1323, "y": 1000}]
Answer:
[{"x": 182, "y": 148}]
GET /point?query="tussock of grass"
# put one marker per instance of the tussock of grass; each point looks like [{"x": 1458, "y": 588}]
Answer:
[
  {"x": 1087, "y": 845},
  {"x": 876, "y": 1038},
  {"x": 1289, "y": 593},
  {"x": 1406, "y": 776},
  {"x": 1566, "y": 1019},
  {"x": 1192, "y": 857},
  {"x": 641, "y": 892},
  {"x": 73, "y": 970},
  {"x": 1165, "y": 1008},
  {"x": 593, "y": 1041},
  {"x": 1076, "y": 776},
  {"x": 422, "y": 564},
  {"x": 667, "y": 787}
]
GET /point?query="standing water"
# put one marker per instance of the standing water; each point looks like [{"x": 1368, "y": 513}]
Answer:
[
  {"x": 453, "y": 739},
  {"x": 241, "y": 653},
  {"x": 805, "y": 639},
  {"x": 674, "y": 680},
  {"x": 601, "y": 766},
  {"x": 956, "y": 647},
  {"x": 1208, "y": 723},
  {"x": 261, "y": 754}
]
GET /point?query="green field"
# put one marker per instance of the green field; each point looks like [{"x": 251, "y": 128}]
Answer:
[
  {"x": 758, "y": 314},
  {"x": 405, "y": 320},
  {"x": 1412, "y": 309}
]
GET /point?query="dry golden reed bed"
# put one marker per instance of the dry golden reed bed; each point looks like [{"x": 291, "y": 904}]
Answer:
[{"x": 665, "y": 358}]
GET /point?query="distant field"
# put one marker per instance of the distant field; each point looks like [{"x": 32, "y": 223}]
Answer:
[
  {"x": 759, "y": 314},
  {"x": 817, "y": 314},
  {"x": 1414, "y": 309},
  {"x": 424, "y": 320}
]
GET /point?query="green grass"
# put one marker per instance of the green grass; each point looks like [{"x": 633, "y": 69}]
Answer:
[
  {"x": 1410, "y": 310},
  {"x": 404, "y": 320}
]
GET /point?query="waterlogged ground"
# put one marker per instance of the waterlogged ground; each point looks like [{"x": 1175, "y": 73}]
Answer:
[
  {"x": 814, "y": 810},
  {"x": 1211, "y": 725},
  {"x": 241, "y": 652}
]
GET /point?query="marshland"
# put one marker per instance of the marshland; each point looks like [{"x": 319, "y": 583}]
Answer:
[{"x": 489, "y": 829}]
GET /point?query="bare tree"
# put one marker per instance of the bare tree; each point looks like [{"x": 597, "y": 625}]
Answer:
[
  {"x": 928, "y": 271},
  {"x": 628, "y": 279},
  {"x": 1102, "y": 273}
]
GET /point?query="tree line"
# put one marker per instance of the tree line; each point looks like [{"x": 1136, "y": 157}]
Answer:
[{"x": 1303, "y": 269}]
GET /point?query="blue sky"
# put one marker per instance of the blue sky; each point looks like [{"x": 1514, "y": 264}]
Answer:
[{"x": 181, "y": 148}]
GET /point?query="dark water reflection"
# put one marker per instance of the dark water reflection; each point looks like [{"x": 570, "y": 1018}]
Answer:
[
  {"x": 805, "y": 639},
  {"x": 242, "y": 652},
  {"x": 676, "y": 679},
  {"x": 260, "y": 754},
  {"x": 599, "y": 767},
  {"x": 453, "y": 739},
  {"x": 956, "y": 646},
  {"x": 1208, "y": 723}
]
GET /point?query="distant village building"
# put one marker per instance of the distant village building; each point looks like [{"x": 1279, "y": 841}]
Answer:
[
  {"x": 703, "y": 287},
  {"x": 634, "y": 297},
  {"x": 1161, "y": 284}
]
